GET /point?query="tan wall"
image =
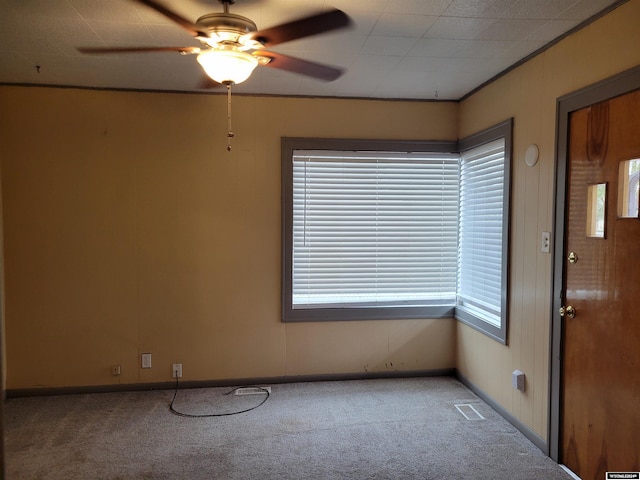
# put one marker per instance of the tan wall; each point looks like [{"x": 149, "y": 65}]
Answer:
[
  {"x": 129, "y": 228},
  {"x": 529, "y": 94}
]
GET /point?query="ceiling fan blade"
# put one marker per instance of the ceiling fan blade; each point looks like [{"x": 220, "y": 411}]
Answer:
[
  {"x": 171, "y": 15},
  {"x": 303, "y": 67},
  {"x": 137, "y": 49},
  {"x": 304, "y": 27}
]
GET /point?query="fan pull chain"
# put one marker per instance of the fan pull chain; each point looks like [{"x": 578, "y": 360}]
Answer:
[{"x": 230, "y": 133}]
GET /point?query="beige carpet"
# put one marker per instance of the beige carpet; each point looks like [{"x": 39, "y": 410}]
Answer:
[{"x": 365, "y": 429}]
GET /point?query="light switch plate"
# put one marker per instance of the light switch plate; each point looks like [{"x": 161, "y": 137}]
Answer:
[{"x": 545, "y": 242}]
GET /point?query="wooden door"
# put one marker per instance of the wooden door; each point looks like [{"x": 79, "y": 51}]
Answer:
[{"x": 600, "y": 406}]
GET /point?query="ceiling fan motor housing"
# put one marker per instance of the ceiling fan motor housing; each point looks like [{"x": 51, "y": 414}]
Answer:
[{"x": 227, "y": 25}]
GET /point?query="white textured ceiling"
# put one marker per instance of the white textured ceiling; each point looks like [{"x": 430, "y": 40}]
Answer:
[{"x": 410, "y": 49}]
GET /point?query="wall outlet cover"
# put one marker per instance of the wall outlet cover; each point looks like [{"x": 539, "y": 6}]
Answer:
[
  {"x": 146, "y": 360},
  {"x": 518, "y": 380}
]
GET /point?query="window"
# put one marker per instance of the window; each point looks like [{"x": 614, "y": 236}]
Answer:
[
  {"x": 374, "y": 229},
  {"x": 596, "y": 210},
  {"x": 483, "y": 232},
  {"x": 369, "y": 233},
  {"x": 371, "y": 230}
]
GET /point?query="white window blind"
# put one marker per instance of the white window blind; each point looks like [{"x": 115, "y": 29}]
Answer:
[
  {"x": 480, "y": 256},
  {"x": 374, "y": 229}
]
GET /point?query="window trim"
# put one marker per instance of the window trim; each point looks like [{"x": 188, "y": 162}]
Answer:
[{"x": 290, "y": 315}]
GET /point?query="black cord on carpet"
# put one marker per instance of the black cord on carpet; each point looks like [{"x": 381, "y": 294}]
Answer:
[{"x": 207, "y": 415}]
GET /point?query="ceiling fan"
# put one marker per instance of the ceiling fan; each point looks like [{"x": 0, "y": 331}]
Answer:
[{"x": 232, "y": 45}]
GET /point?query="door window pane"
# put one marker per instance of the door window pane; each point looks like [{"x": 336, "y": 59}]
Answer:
[
  {"x": 628, "y": 188},
  {"x": 596, "y": 210}
]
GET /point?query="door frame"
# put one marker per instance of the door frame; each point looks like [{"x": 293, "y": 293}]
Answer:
[{"x": 611, "y": 87}]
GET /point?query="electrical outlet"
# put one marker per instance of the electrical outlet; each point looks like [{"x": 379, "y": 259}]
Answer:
[
  {"x": 116, "y": 370},
  {"x": 177, "y": 370},
  {"x": 146, "y": 360}
]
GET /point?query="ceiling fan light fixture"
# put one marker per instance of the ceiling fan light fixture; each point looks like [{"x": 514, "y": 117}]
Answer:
[{"x": 227, "y": 65}]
